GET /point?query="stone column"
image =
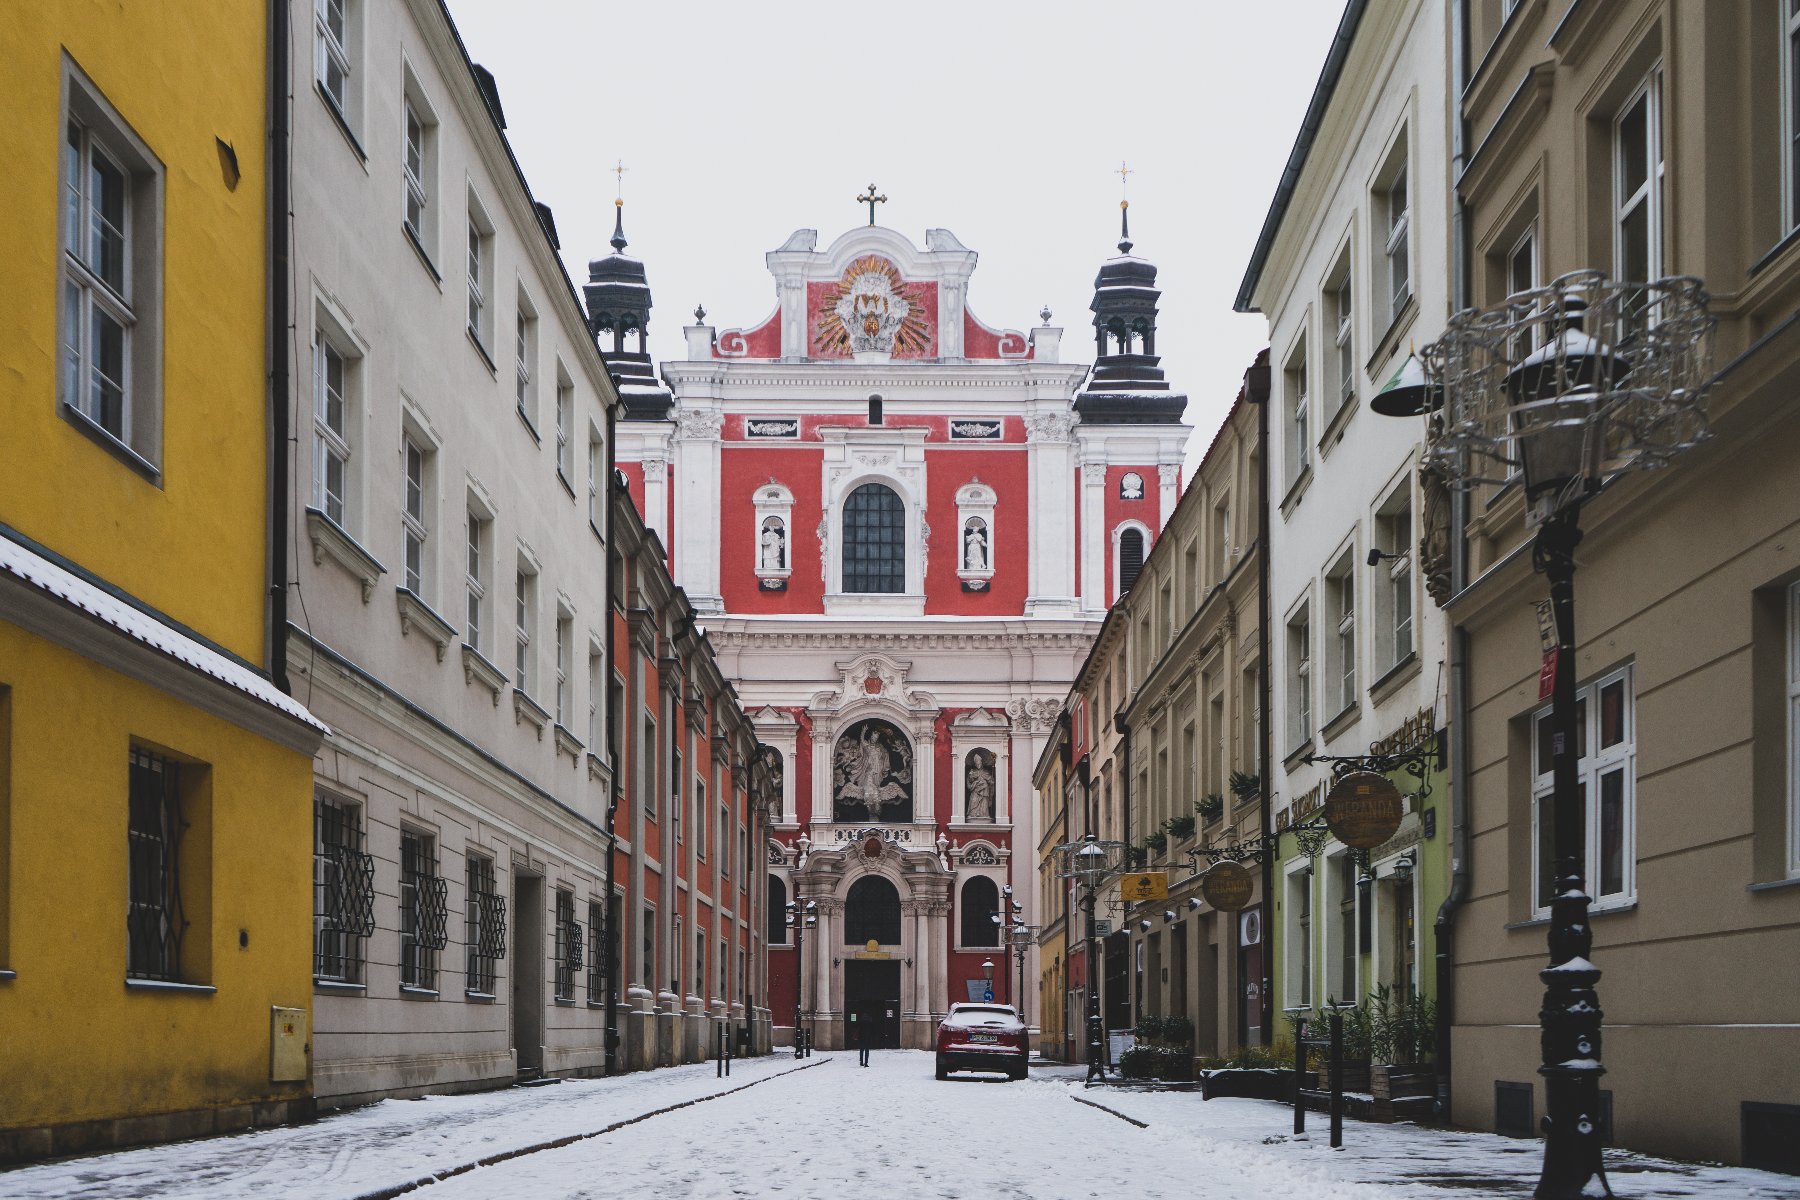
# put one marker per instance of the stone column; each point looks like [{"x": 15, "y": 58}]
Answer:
[
  {"x": 1169, "y": 476},
  {"x": 696, "y": 545},
  {"x": 656, "y": 496},
  {"x": 1096, "y": 539},
  {"x": 1050, "y": 573}
]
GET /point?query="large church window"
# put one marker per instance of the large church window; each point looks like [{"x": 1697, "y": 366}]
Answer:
[
  {"x": 778, "y": 934},
  {"x": 1131, "y": 558},
  {"x": 980, "y": 904},
  {"x": 872, "y": 774},
  {"x": 872, "y": 913},
  {"x": 874, "y": 540}
]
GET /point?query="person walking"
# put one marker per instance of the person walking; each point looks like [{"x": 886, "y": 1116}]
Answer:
[{"x": 862, "y": 1042}]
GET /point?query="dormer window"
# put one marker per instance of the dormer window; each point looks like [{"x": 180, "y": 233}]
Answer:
[{"x": 875, "y": 410}]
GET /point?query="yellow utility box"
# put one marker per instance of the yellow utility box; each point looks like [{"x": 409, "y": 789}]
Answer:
[{"x": 288, "y": 1044}]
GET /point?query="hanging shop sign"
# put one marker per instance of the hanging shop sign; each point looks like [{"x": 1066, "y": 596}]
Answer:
[
  {"x": 1227, "y": 886},
  {"x": 1363, "y": 809},
  {"x": 1144, "y": 885}
]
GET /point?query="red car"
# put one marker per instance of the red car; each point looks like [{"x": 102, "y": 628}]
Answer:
[{"x": 983, "y": 1037}]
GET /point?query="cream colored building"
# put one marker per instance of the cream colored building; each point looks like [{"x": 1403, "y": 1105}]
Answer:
[{"x": 1647, "y": 139}]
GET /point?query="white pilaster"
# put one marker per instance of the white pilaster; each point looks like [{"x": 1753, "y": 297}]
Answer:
[
  {"x": 1094, "y": 537},
  {"x": 1169, "y": 477},
  {"x": 1051, "y": 573},
  {"x": 697, "y": 476}
]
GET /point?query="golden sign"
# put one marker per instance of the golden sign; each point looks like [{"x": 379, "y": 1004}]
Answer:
[
  {"x": 1364, "y": 809},
  {"x": 1144, "y": 885},
  {"x": 1227, "y": 886}
]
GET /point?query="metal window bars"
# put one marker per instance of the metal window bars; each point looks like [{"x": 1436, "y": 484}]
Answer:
[
  {"x": 424, "y": 923},
  {"x": 485, "y": 926},
  {"x": 596, "y": 966},
  {"x": 568, "y": 946},
  {"x": 344, "y": 887},
  {"x": 154, "y": 919}
]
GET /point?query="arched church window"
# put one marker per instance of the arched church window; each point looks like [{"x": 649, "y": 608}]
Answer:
[
  {"x": 874, "y": 540},
  {"x": 980, "y": 904},
  {"x": 872, "y": 774},
  {"x": 978, "y": 785},
  {"x": 872, "y": 912},
  {"x": 1131, "y": 558},
  {"x": 778, "y": 933}
]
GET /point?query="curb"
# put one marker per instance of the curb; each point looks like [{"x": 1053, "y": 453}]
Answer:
[{"x": 1112, "y": 1112}]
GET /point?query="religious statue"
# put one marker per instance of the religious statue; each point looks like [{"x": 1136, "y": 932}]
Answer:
[
  {"x": 774, "y": 548},
  {"x": 978, "y": 786},
  {"x": 872, "y": 774},
  {"x": 975, "y": 549}
]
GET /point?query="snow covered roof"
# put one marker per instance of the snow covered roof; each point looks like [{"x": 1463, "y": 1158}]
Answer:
[{"x": 46, "y": 576}]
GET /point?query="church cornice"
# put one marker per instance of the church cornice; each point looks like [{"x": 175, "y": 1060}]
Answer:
[
  {"x": 863, "y": 640},
  {"x": 835, "y": 376}
]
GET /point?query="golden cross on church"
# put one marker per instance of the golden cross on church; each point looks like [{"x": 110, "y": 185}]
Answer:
[
  {"x": 619, "y": 169},
  {"x": 1124, "y": 181},
  {"x": 871, "y": 199}
]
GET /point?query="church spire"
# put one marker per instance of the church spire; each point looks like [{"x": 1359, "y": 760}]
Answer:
[
  {"x": 618, "y": 237},
  {"x": 618, "y": 303},
  {"x": 1127, "y": 385}
]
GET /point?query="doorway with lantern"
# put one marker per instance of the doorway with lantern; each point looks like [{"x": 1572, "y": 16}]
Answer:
[{"x": 872, "y": 998}]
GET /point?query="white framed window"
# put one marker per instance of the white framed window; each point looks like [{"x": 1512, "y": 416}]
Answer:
[
  {"x": 1793, "y": 728},
  {"x": 524, "y": 625},
  {"x": 596, "y": 463},
  {"x": 1790, "y": 113},
  {"x": 525, "y": 346},
  {"x": 565, "y": 636},
  {"x": 480, "y": 268},
  {"x": 1392, "y": 578},
  {"x": 335, "y": 37},
  {"x": 1341, "y": 933},
  {"x": 646, "y": 758},
  {"x": 1395, "y": 208},
  {"x": 565, "y": 422},
  {"x": 415, "y": 528},
  {"x": 1340, "y": 312},
  {"x": 1221, "y": 538},
  {"x": 332, "y": 377},
  {"x": 595, "y": 716},
  {"x": 1297, "y": 922},
  {"x": 111, "y": 267},
  {"x": 1522, "y": 276},
  {"x": 418, "y": 165},
  {"x": 677, "y": 800},
  {"x": 1606, "y": 746},
  {"x": 1638, "y": 183},
  {"x": 1298, "y": 451},
  {"x": 1131, "y": 543},
  {"x": 476, "y": 574},
  {"x": 700, "y": 825},
  {"x": 725, "y": 842},
  {"x": 1299, "y": 664},
  {"x": 1340, "y": 666}
]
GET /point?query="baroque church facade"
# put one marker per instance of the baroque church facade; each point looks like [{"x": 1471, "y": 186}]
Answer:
[{"x": 900, "y": 528}]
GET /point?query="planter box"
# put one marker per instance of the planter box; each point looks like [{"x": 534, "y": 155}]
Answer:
[
  {"x": 1401, "y": 1081},
  {"x": 1255, "y": 1083},
  {"x": 1356, "y": 1076}
]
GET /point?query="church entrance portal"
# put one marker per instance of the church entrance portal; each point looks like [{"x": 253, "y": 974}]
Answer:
[{"x": 872, "y": 993}]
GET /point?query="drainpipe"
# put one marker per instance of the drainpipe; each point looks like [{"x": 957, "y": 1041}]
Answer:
[
  {"x": 280, "y": 222},
  {"x": 1458, "y": 717},
  {"x": 618, "y": 722},
  {"x": 1124, "y": 731},
  {"x": 1256, "y": 390}
]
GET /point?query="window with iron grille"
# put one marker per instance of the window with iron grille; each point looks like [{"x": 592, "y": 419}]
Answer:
[
  {"x": 596, "y": 961},
  {"x": 485, "y": 926},
  {"x": 343, "y": 892},
  {"x": 154, "y": 920},
  {"x": 568, "y": 945},
  {"x": 423, "y": 916},
  {"x": 874, "y": 540}
]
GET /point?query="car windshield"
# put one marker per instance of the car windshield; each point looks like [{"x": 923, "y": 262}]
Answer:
[{"x": 983, "y": 1018}]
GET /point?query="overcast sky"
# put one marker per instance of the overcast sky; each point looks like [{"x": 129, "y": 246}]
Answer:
[{"x": 1003, "y": 121}]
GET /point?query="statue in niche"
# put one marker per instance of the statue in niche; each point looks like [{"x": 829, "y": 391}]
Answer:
[
  {"x": 1131, "y": 486},
  {"x": 773, "y": 555},
  {"x": 872, "y": 774},
  {"x": 978, "y": 786},
  {"x": 975, "y": 546}
]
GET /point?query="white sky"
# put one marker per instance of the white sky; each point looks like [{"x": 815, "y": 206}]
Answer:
[{"x": 1003, "y": 121}]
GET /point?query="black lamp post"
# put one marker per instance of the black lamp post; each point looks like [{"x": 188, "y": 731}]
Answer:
[
  {"x": 798, "y": 918},
  {"x": 1090, "y": 869},
  {"x": 1526, "y": 386}
]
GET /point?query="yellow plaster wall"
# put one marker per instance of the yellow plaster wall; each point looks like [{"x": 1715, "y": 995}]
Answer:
[
  {"x": 181, "y": 76},
  {"x": 75, "y": 1043}
]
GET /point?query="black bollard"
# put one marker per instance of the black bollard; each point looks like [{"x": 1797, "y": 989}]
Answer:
[{"x": 1337, "y": 1080}]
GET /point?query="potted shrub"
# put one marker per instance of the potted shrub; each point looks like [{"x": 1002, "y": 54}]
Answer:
[
  {"x": 1244, "y": 785},
  {"x": 1403, "y": 1035},
  {"x": 1136, "y": 856},
  {"x": 1179, "y": 827},
  {"x": 1358, "y": 1029},
  {"x": 1157, "y": 842},
  {"x": 1211, "y": 807}
]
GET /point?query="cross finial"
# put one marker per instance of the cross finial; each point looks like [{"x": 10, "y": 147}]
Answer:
[
  {"x": 1124, "y": 173},
  {"x": 619, "y": 169},
  {"x": 871, "y": 199}
]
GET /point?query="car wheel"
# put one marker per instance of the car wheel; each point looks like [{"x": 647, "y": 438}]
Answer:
[
  {"x": 943, "y": 1072},
  {"x": 1018, "y": 1074}
]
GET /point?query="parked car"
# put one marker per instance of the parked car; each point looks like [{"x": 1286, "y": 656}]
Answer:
[{"x": 982, "y": 1037}]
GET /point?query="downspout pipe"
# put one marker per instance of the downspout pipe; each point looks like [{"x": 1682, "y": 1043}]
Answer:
[
  {"x": 1124, "y": 731},
  {"x": 1256, "y": 390},
  {"x": 280, "y": 221},
  {"x": 615, "y": 732},
  {"x": 1444, "y": 929}
]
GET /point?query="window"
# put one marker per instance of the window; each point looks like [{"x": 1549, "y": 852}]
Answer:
[
  {"x": 569, "y": 949},
  {"x": 565, "y": 415},
  {"x": 1298, "y": 913},
  {"x": 648, "y": 979},
  {"x": 481, "y": 273},
  {"x": 343, "y": 892},
  {"x": 525, "y": 363},
  {"x": 720, "y": 982},
  {"x": 874, "y": 540},
  {"x": 1790, "y": 110},
  {"x": 418, "y": 166},
  {"x": 485, "y": 925},
  {"x": 333, "y": 38},
  {"x": 872, "y": 912},
  {"x": 874, "y": 410},
  {"x": 595, "y": 458},
  {"x": 524, "y": 624},
  {"x": 675, "y": 953},
  {"x": 1395, "y": 211},
  {"x": 700, "y": 823},
  {"x": 154, "y": 919},
  {"x": 1392, "y": 583},
  {"x": 1605, "y": 741},
  {"x": 677, "y": 802},
  {"x": 1299, "y": 658},
  {"x": 699, "y": 988},
  {"x": 1338, "y": 307},
  {"x": 414, "y": 530},
  {"x": 596, "y": 961},
  {"x": 1793, "y": 725},
  {"x": 1340, "y": 596},
  {"x": 1342, "y": 948},
  {"x": 1131, "y": 557},
  {"x": 646, "y": 758},
  {"x": 111, "y": 276},
  {"x": 565, "y": 633},
  {"x": 777, "y": 932},
  {"x": 1221, "y": 537},
  {"x": 1637, "y": 184},
  {"x": 423, "y": 929},
  {"x": 980, "y": 905},
  {"x": 475, "y": 579},
  {"x": 596, "y": 661},
  {"x": 1298, "y": 448},
  {"x": 725, "y": 842},
  {"x": 1521, "y": 277},
  {"x": 331, "y": 429}
]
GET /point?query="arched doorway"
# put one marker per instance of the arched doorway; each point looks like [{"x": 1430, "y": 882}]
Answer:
[{"x": 872, "y": 977}]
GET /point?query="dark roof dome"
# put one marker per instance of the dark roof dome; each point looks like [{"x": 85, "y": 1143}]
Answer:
[{"x": 1127, "y": 386}]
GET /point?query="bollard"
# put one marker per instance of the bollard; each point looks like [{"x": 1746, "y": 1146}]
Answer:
[
  {"x": 1299, "y": 1077},
  {"x": 1337, "y": 1081}
]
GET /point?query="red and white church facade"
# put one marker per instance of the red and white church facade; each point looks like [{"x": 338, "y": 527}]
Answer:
[{"x": 900, "y": 528}]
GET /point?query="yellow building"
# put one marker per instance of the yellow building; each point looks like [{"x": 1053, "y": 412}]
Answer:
[
  {"x": 1049, "y": 778},
  {"x": 155, "y": 786}
]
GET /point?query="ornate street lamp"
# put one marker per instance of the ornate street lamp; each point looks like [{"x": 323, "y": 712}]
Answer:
[
  {"x": 799, "y": 918},
  {"x": 1091, "y": 863},
  {"x": 1563, "y": 389}
]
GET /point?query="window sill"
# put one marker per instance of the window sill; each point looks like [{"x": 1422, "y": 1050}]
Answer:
[
  {"x": 1334, "y": 428},
  {"x": 477, "y": 669},
  {"x": 339, "y": 985},
  {"x": 1389, "y": 344},
  {"x": 1595, "y": 910},
  {"x": 475, "y": 341},
  {"x": 1346, "y": 717},
  {"x": 1297, "y": 490},
  {"x": 564, "y": 480},
  {"x": 342, "y": 123},
  {"x": 525, "y": 420},
  {"x": 408, "y": 992},
  {"x": 527, "y": 709},
  {"x": 112, "y": 445},
  {"x": 596, "y": 529},
  {"x": 479, "y": 997},
  {"x": 568, "y": 743},
  {"x": 1297, "y": 754},
  {"x": 162, "y": 985},
  {"x": 596, "y": 1004},
  {"x": 414, "y": 612},
  {"x": 412, "y": 239},
  {"x": 1773, "y": 885},
  {"x": 565, "y": 1001},
  {"x": 331, "y": 539},
  {"x": 1394, "y": 678}
]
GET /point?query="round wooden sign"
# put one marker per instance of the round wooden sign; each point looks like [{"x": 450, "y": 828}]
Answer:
[
  {"x": 1364, "y": 809},
  {"x": 1227, "y": 886}
]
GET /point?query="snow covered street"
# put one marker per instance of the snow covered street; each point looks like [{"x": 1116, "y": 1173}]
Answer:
[{"x": 890, "y": 1130}]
